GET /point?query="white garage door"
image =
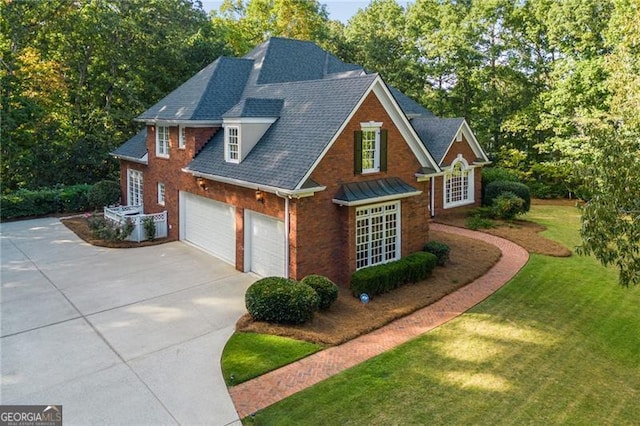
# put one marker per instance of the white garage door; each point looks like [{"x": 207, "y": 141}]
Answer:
[
  {"x": 210, "y": 225},
  {"x": 265, "y": 243}
]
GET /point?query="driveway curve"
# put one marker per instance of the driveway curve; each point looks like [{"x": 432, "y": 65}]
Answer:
[
  {"x": 116, "y": 336},
  {"x": 259, "y": 393}
]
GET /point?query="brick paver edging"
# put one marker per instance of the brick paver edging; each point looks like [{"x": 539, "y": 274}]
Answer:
[{"x": 256, "y": 394}]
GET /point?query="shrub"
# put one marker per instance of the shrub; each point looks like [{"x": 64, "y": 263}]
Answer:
[
  {"x": 478, "y": 222},
  {"x": 441, "y": 251},
  {"x": 495, "y": 174},
  {"x": 383, "y": 278},
  {"x": 107, "y": 230},
  {"x": 281, "y": 300},
  {"x": 507, "y": 206},
  {"x": 326, "y": 289},
  {"x": 495, "y": 189},
  {"x": 27, "y": 203},
  {"x": 74, "y": 198},
  {"x": 149, "y": 226},
  {"x": 104, "y": 193}
]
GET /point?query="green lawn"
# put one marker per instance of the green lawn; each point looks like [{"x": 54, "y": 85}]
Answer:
[
  {"x": 249, "y": 355},
  {"x": 559, "y": 344}
]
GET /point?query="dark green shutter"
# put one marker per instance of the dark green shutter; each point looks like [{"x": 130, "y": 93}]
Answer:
[
  {"x": 383, "y": 150},
  {"x": 357, "y": 152}
]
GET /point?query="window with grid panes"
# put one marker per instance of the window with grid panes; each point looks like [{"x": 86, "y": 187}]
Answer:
[
  {"x": 134, "y": 188},
  {"x": 162, "y": 141},
  {"x": 377, "y": 234}
]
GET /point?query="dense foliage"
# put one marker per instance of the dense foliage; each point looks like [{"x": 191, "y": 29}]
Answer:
[
  {"x": 326, "y": 289},
  {"x": 497, "y": 188},
  {"x": 62, "y": 199},
  {"x": 281, "y": 300},
  {"x": 440, "y": 250},
  {"x": 383, "y": 278}
]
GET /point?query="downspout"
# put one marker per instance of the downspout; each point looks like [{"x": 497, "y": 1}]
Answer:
[
  {"x": 286, "y": 237},
  {"x": 432, "y": 207},
  {"x": 286, "y": 232}
]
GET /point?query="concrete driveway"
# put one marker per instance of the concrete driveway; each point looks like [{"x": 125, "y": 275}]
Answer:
[{"x": 117, "y": 336}]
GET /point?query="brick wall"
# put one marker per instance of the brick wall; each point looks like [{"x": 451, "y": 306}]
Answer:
[{"x": 323, "y": 233}]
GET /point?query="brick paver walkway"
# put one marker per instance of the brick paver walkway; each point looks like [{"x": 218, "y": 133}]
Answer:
[{"x": 272, "y": 387}]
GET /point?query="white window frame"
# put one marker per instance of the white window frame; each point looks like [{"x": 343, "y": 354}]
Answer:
[
  {"x": 232, "y": 144},
  {"x": 182, "y": 137},
  {"x": 459, "y": 184},
  {"x": 378, "y": 234},
  {"x": 161, "y": 193},
  {"x": 162, "y": 141},
  {"x": 371, "y": 164},
  {"x": 135, "y": 187}
]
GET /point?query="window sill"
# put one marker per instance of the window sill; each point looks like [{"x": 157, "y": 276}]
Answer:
[{"x": 458, "y": 204}]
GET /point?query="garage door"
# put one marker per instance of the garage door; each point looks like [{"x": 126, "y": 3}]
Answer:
[
  {"x": 209, "y": 225},
  {"x": 266, "y": 245}
]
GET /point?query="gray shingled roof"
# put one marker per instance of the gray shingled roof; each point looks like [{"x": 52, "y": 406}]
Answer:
[
  {"x": 370, "y": 189},
  {"x": 437, "y": 133},
  {"x": 408, "y": 105},
  {"x": 205, "y": 96},
  {"x": 135, "y": 148},
  {"x": 308, "y": 121},
  {"x": 254, "y": 107},
  {"x": 309, "y": 90}
]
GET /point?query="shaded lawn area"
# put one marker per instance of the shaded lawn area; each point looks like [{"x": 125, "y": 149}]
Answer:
[{"x": 559, "y": 344}]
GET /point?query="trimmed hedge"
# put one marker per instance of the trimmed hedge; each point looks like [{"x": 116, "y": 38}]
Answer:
[
  {"x": 281, "y": 300},
  {"x": 326, "y": 289},
  {"x": 441, "y": 250},
  {"x": 27, "y": 203},
  {"x": 495, "y": 189},
  {"x": 383, "y": 278}
]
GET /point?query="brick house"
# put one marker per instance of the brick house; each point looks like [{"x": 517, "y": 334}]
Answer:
[{"x": 290, "y": 162}]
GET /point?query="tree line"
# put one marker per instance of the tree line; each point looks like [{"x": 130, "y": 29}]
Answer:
[{"x": 550, "y": 87}]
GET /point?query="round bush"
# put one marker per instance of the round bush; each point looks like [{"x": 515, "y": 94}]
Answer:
[
  {"x": 441, "y": 250},
  {"x": 495, "y": 189},
  {"x": 507, "y": 206},
  {"x": 104, "y": 193},
  {"x": 327, "y": 290},
  {"x": 281, "y": 300}
]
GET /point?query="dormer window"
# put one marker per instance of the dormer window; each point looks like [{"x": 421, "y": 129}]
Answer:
[
  {"x": 162, "y": 141},
  {"x": 370, "y": 148},
  {"x": 232, "y": 144}
]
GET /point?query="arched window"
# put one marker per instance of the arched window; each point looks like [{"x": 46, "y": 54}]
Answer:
[{"x": 458, "y": 184}]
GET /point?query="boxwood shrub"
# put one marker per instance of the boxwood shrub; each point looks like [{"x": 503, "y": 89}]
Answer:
[
  {"x": 495, "y": 189},
  {"x": 441, "y": 250},
  {"x": 281, "y": 300},
  {"x": 383, "y": 278},
  {"x": 326, "y": 289}
]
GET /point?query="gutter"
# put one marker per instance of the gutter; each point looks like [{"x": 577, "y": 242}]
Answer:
[
  {"x": 295, "y": 193},
  {"x": 132, "y": 159}
]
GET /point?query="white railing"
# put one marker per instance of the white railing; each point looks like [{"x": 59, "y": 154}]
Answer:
[{"x": 135, "y": 214}]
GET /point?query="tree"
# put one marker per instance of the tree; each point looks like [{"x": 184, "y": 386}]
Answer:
[
  {"x": 611, "y": 219},
  {"x": 247, "y": 24}
]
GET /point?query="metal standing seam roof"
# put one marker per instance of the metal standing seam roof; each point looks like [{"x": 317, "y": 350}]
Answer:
[
  {"x": 135, "y": 148},
  {"x": 365, "y": 192}
]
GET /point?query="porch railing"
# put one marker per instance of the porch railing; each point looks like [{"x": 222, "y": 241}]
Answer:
[{"x": 135, "y": 214}]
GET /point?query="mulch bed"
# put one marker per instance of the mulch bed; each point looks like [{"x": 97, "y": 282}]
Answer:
[
  {"x": 348, "y": 317},
  {"x": 80, "y": 226}
]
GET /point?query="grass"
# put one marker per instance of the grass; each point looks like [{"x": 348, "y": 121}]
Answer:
[
  {"x": 559, "y": 344},
  {"x": 248, "y": 355}
]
